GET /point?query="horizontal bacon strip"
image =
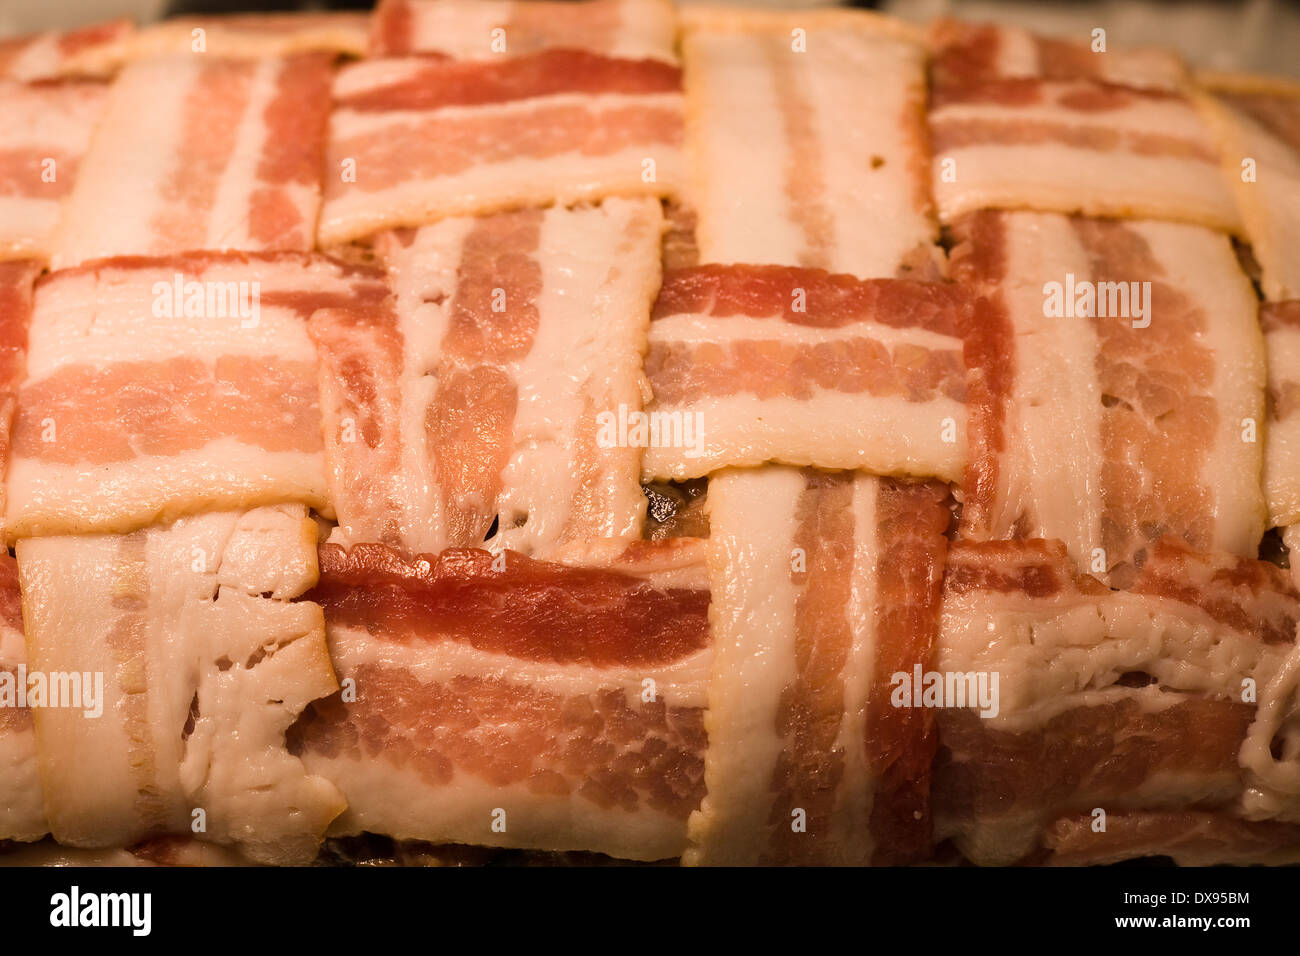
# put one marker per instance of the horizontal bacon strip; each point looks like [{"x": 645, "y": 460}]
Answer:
[
  {"x": 94, "y": 51},
  {"x": 1075, "y": 146},
  {"x": 431, "y": 84},
  {"x": 834, "y": 165},
  {"x": 1190, "y": 837},
  {"x": 825, "y": 586},
  {"x": 487, "y": 402},
  {"x": 489, "y": 29},
  {"x": 1140, "y": 700},
  {"x": 1109, "y": 431},
  {"x": 589, "y": 128},
  {"x": 48, "y": 131},
  {"x": 532, "y": 706},
  {"x": 138, "y": 403},
  {"x": 255, "y": 35},
  {"x": 204, "y": 663},
  {"x": 967, "y": 54},
  {"x": 769, "y": 363},
  {"x": 519, "y": 607},
  {"x": 234, "y": 162}
]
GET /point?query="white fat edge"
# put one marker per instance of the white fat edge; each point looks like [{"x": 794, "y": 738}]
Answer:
[
  {"x": 1282, "y": 442},
  {"x": 600, "y": 270},
  {"x": 852, "y": 813},
  {"x": 397, "y": 801},
  {"x": 875, "y": 217},
  {"x": 45, "y": 498},
  {"x": 738, "y": 152},
  {"x": 1056, "y": 403},
  {"x": 461, "y": 30},
  {"x": 700, "y": 329},
  {"x": 560, "y": 180},
  {"x": 647, "y": 30},
  {"x": 753, "y": 521},
  {"x": 1062, "y": 178},
  {"x": 132, "y": 151},
  {"x": 228, "y": 220},
  {"x": 27, "y": 225},
  {"x": 1168, "y": 117},
  {"x": 1202, "y": 264},
  {"x": 882, "y": 435},
  {"x": 82, "y": 319},
  {"x": 1273, "y": 790},
  {"x": 56, "y": 118},
  {"x": 679, "y": 684},
  {"x": 22, "y": 810}
]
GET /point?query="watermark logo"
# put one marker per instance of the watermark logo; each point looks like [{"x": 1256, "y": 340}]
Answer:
[
  {"x": 946, "y": 689},
  {"x": 208, "y": 300},
  {"x": 76, "y": 690},
  {"x": 74, "y": 908},
  {"x": 1085, "y": 299},
  {"x": 632, "y": 428}
]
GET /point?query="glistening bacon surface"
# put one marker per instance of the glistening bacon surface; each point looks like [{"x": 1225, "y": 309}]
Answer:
[
  {"x": 47, "y": 130},
  {"x": 204, "y": 662},
  {"x": 555, "y": 127},
  {"x": 766, "y": 363},
  {"x": 841, "y": 182},
  {"x": 1128, "y": 700},
  {"x": 491, "y": 398},
  {"x": 965, "y": 54},
  {"x": 1075, "y": 146},
  {"x": 1190, "y": 837},
  {"x": 94, "y": 51},
  {"x": 510, "y": 702},
  {"x": 823, "y": 586},
  {"x": 1107, "y": 431},
  {"x": 159, "y": 387},
  {"x": 198, "y": 152},
  {"x": 489, "y": 29}
]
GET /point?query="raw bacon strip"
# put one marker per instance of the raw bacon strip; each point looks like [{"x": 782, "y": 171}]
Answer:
[
  {"x": 508, "y": 702},
  {"x": 1076, "y": 146},
  {"x": 16, "y": 282},
  {"x": 91, "y": 52},
  {"x": 1138, "y": 700},
  {"x": 22, "y": 813},
  {"x": 255, "y": 35},
  {"x": 1190, "y": 838},
  {"x": 1108, "y": 432},
  {"x": 199, "y": 152},
  {"x": 824, "y": 586},
  {"x": 1259, "y": 128},
  {"x": 47, "y": 131},
  {"x": 203, "y": 663},
  {"x": 159, "y": 387},
  {"x": 415, "y": 140},
  {"x": 492, "y": 395},
  {"x": 488, "y": 29},
  {"x": 764, "y": 363},
  {"x": 969, "y": 53},
  {"x": 842, "y": 179}
]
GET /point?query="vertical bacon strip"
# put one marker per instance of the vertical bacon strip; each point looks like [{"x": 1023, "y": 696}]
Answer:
[
  {"x": 1258, "y": 124},
  {"x": 488, "y": 29},
  {"x": 750, "y": 364},
  {"x": 198, "y": 152},
  {"x": 47, "y": 130},
  {"x": 415, "y": 140},
  {"x": 22, "y": 812},
  {"x": 808, "y": 762},
  {"x": 160, "y": 387},
  {"x": 204, "y": 662},
  {"x": 16, "y": 282},
  {"x": 1124, "y": 701},
  {"x": 1075, "y": 146},
  {"x": 91, "y": 52},
  {"x": 841, "y": 181},
  {"x": 1108, "y": 440},
  {"x": 518, "y": 703},
  {"x": 493, "y": 395},
  {"x": 1281, "y": 324}
]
